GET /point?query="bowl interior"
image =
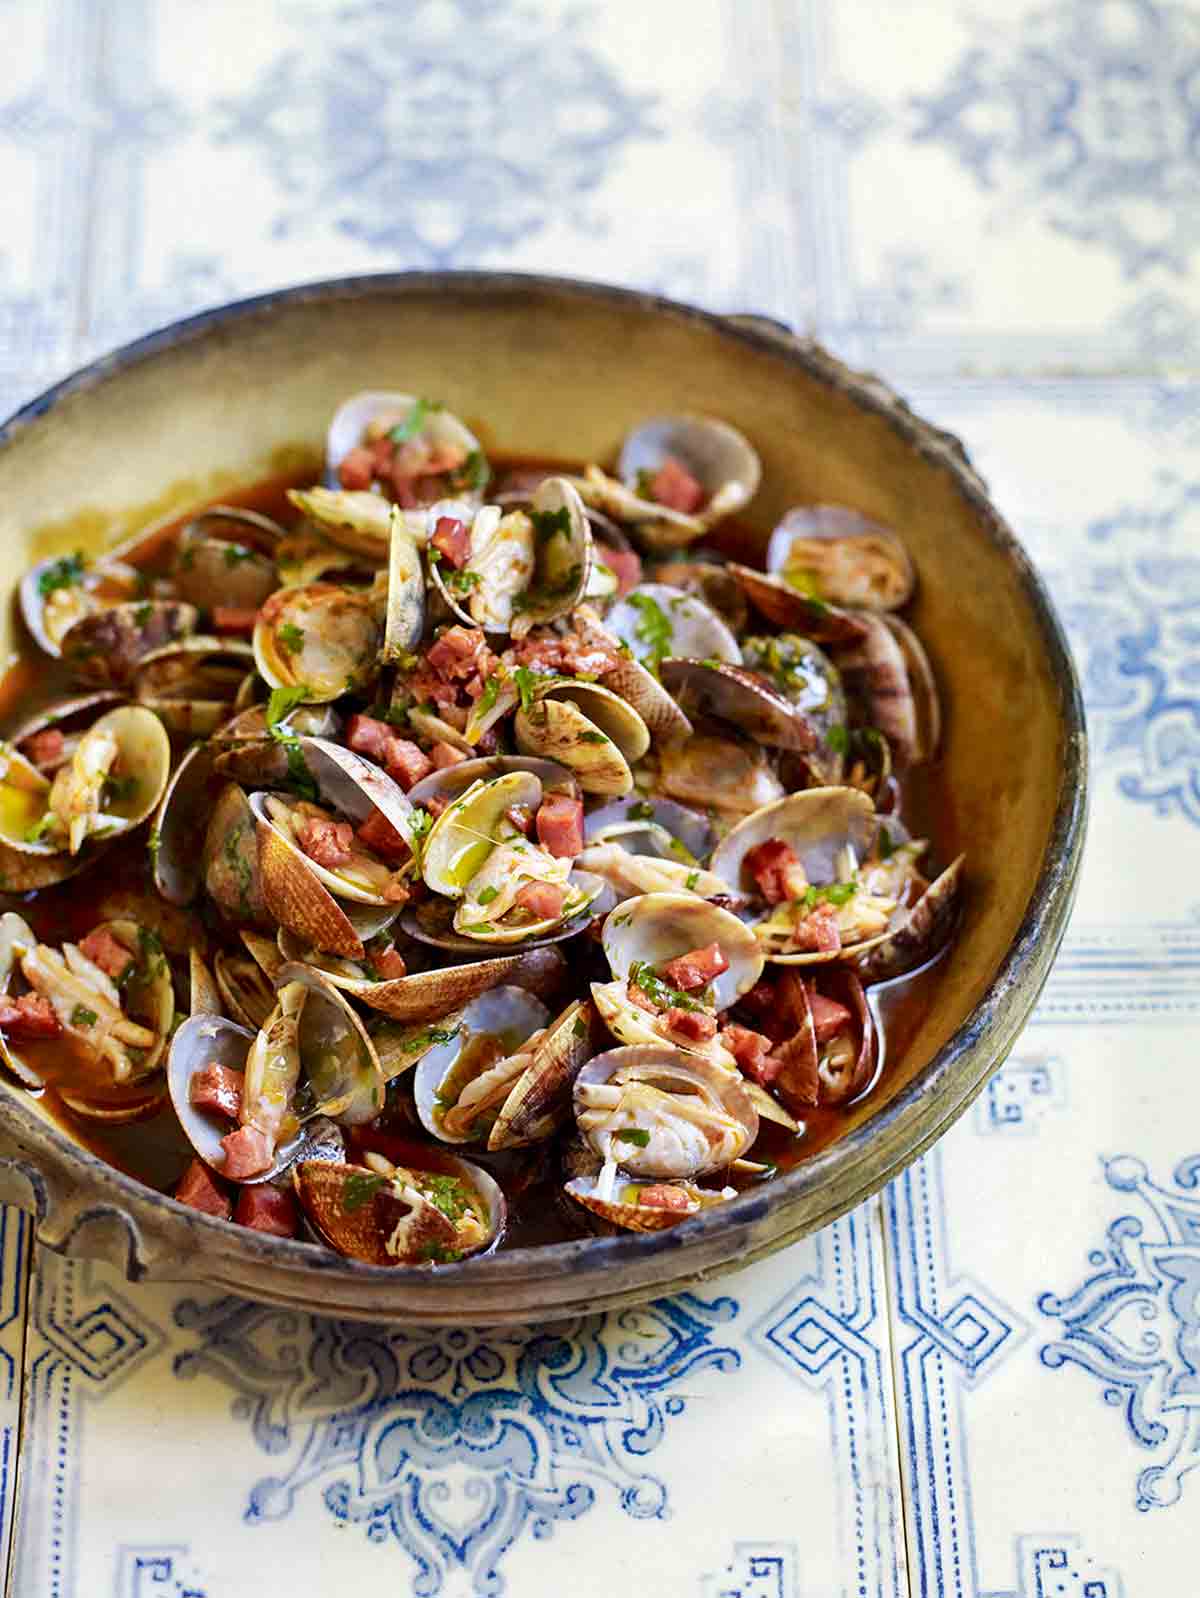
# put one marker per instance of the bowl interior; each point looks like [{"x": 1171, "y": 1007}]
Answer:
[{"x": 540, "y": 368}]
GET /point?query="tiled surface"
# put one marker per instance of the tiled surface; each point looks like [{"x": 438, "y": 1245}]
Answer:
[{"x": 985, "y": 1385}]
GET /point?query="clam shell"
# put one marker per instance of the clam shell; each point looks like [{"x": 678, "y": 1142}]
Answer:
[
  {"x": 741, "y": 697},
  {"x": 803, "y": 674},
  {"x": 191, "y": 685},
  {"x": 725, "y": 774},
  {"x": 405, "y": 618},
  {"x": 658, "y": 927},
  {"x": 588, "y": 728},
  {"x": 430, "y": 995},
  {"x": 226, "y": 557},
  {"x": 452, "y": 781},
  {"x": 540, "y": 1100},
  {"x": 229, "y": 865},
  {"x": 51, "y": 611},
  {"x": 336, "y": 639},
  {"x": 340, "y": 1068},
  {"x": 432, "y": 922},
  {"x": 795, "y": 612},
  {"x": 355, "y": 415},
  {"x": 71, "y": 715},
  {"x": 246, "y": 983},
  {"x": 876, "y": 678},
  {"x": 658, "y": 827},
  {"x": 464, "y": 835},
  {"x": 358, "y": 522},
  {"x": 923, "y": 932},
  {"x": 448, "y": 1068},
  {"x": 107, "y": 647},
  {"x": 654, "y": 613},
  {"x": 204, "y": 995},
  {"x": 633, "y": 1217},
  {"x": 841, "y": 557},
  {"x": 927, "y": 705},
  {"x": 361, "y": 1229},
  {"x": 818, "y": 824},
  {"x": 178, "y": 870},
  {"x": 714, "y": 1123},
  {"x": 722, "y": 460},
  {"x": 202, "y": 1040},
  {"x": 710, "y": 580}
]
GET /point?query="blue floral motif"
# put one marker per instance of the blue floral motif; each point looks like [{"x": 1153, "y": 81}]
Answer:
[
  {"x": 1133, "y": 612},
  {"x": 455, "y": 1443},
  {"x": 1134, "y": 1323},
  {"x": 441, "y": 130},
  {"x": 1092, "y": 110}
]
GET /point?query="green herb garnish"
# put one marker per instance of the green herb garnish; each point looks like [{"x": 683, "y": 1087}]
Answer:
[
  {"x": 291, "y": 637},
  {"x": 359, "y": 1188},
  {"x": 838, "y": 739},
  {"x": 447, "y": 1193},
  {"x": 526, "y": 684},
  {"x": 235, "y": 554},
  {"x": 413, "y": 422},
  {"x": 143, "y": 614},
  {"x": 633, "y": 1134},
  {"x": 548, "y": 524},
  {"x": 119, "y": 789},
  {"x": 653, "y": 629},
  {"x": 643, "y": 975},
  {"x": 486, "y": 895},
  {"x": 64, "y": 573},
  {"x": 693, "y": 877},
  {"x": 472, "y": 476},
  {"x": 82, "y": 1016},
  {"x": 40, "y": 828},
  {"x": 438, "y": 1254},
  {"x": 594, "y": 738},
  {"x": 281, "y": 703},
  {"x": 835, "y": 893}
]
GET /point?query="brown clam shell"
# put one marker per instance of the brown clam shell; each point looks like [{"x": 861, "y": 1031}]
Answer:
[
  {"x": 796, "y": 612},
  {"x": 105, "y": 648},
  {"x": 229, "y": 861},
  {"x": 295, "y": 899},
  {"x": 540, "y": 1101},
  {"x": 361, "y": 1232}
]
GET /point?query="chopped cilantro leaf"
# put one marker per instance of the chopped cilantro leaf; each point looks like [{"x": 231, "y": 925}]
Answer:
[
  {"x": 82, "y": 1016},
  {"x": 641, "y": 810},
  {"x": 594, "y": 738},
  {"x": 359, "y": 1188},
  {"x": 413, "y": 422},
  {"x": 653, "y": 629},
  {"x": 446, "y": 1193},
  {"x": 579, "y": 1028},
  {"x": 526, "y": 682},
  {"x": 486, "y": 895},
  {"x": 119, "y": 789},
  {"x": 693, "y": 877},
  {"x": 835, "y": 893},
  {"x": 633, "y": 1134},
  {"x": 281, "y": 703},
  {"x": 643, "y": 975},
  {"x": 490, "y": 694},
  {"x": 548, "y": 524},
  {"x": 64, "y": 573},
  {"x": 438, "y": 1254},
  {"x": 472, "y": 476},
  {"x": 40, "y": 828},
  {"x": 291, "y": 637},
  {"x": 838, "y": 739}
]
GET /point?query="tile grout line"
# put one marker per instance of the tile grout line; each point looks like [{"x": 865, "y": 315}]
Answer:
[
  {"x": 27, "y": 1220},
  {"x": 879, "y": 1221}
]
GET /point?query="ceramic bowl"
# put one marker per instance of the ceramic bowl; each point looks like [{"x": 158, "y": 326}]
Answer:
[{"x": 563, "y": 369}]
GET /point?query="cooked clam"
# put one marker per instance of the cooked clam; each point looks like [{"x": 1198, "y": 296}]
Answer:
[
  {"x": 383, "y": 1214},
  {"x": 405, "y": 618},
  {"x": 226, "y": 559},
  {"x": 246, "y": 982},
  {"x": 507, "y": 888},
  {"x": 413, "y": 448},
  {"x": 654, "y": 620},
  {"x": 113, "y": 781},
  {"x": 875, "y": 672},
  {"x": 653, "y": 1112},
  {"x": 803, "y": 854},
  {"x": 229, "y": 859},
  {"x": 322, "y": 638},
  {"x": 453, "y": 781},
  {"x": 707, "y": 577},
  {"x": 462, "y": 1084},
  {"x": 650, "y": 846},
  {"x": 795, "y": 612},
  {"x": 63, "y": 723},
  {"x": 644, "y": 1206},
  {"x": 62, "y": 590},
  {"x": 723, "y": 773},
  {"x": 649, "y": 932},
  {"x": 743, "y": 698},
  {"x": 588, "y": 728},
  {"x": 191, "y": 685},
  {"x": 835, "y": 554},
  {"x": 806, "y": 676},
  {"x": 107, "y": 646},
  {"x": 924, "y": 931}
]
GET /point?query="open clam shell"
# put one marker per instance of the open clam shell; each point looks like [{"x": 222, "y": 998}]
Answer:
[
  {"x": 806, "y": 676},
  {"x": 462, "y": 1084},
  {"x": 341, "y": 1074},
  {"x": 182, "y": 812},
  {"x": 106, "y": 648},
  {"x": 114, "y": 780},
  {"x": 656, "y": 1113},
  {"x": 654, "y": 620},
  {"x": 405, "y": 619},
  {"x": 192, "y": 684},
  {"x": 539, "y": 1102},
  {"x": 61, "y": 590},
  {"x": 228, "y": 863},
  {"x": 927, "y": 705},
  {"x": 434, "y": 922},
  {"x": 432, "y": 435},
  {"x": 395, "y": 1219},
  {"x": 660, "y": 828},
  {"x": 658, "y": 927},
  {"x": 743, "y": 698},
  {"x": 322, "y": 637},
  {"x": 426, "y": 996},
  {"x": 643, "y": 1206},
  {"x": 246, "y": 982},
  {"x": 358, "y": 524},
  {"x": 16, "y": 935},
  {"x": 465, "y": 834},
  {"x": 726, "y": 774},
  {"x": 71, "y": 716},
  {"x": 925, "y": 929},
  {"x": 588, "y": 728},
  {"x": 200, "y": 1041},
  {"x": 709, "y": 579},
  {"x": 451, "y": 782},
  {"x": 835, "y": 554},
  {"x": 876, "y": 678},
  {"x": 226, "y": 558},
  {"x": 795, "y": 612}
]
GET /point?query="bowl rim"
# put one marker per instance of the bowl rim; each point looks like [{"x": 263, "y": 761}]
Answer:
[{"x": 1003, "y": 1007}]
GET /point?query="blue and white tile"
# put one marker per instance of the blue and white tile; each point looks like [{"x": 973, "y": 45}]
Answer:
[
  {"x": 739, "y": 1440},
  {"x": 1002, "y": 187}
]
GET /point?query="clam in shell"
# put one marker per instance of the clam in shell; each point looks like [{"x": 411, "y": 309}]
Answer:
[
  {"x": 62, "y": 590},
  {"x": 383, "y": 1214},
  {"x": 743, "y": 698},
  {"x": 837, "y": 555},
  {"x": 830, "y": 832},
  {"x": 409, "y": 446},
  {"x": 192, "y": 684},
  {"x": 226, "y": 559},
  {"x": 653, "y": 1113},
  {"x": 587, "y": 728},
  {"x": 462, "y": 1084},
  {"x": 105, "y": 648},
  {"x": 655, "y": 620},
  {"x": 321, "y": 637}
]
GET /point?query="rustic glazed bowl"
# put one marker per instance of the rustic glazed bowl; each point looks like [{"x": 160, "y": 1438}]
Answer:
[{"x": 563, "y": 369}]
